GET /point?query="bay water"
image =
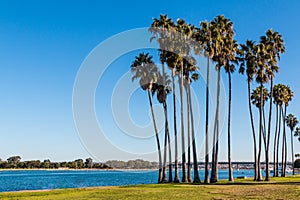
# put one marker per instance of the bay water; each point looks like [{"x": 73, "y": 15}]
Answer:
[{"x": 16, "y": 180}]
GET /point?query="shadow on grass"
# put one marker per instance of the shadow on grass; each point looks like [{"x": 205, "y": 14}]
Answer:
[
  {"x": 259, "y": 183},
  {"x": 278, "y": 181}
]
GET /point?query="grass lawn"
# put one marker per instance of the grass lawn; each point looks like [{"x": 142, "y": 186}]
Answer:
[{"x": 277, "y": 188}]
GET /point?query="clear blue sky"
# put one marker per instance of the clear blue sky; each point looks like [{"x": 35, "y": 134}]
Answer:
[{"x": 42, "y": 46}]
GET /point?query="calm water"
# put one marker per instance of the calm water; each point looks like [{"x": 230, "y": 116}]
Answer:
[{"x": 53, "y": 179}]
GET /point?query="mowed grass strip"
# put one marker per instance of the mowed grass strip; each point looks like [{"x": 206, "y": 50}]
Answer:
[{"x": 277, "y": 188}]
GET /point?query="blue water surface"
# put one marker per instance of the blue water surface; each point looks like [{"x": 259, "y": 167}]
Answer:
[{"x": 16, "y": 180}]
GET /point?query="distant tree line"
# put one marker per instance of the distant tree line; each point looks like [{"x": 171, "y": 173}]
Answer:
[
  {"x": 132, "y": 164},
  {"x": 15, "y": 162}
]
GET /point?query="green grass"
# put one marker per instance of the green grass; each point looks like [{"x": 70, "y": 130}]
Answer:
[{"x": 277, "y": 188}]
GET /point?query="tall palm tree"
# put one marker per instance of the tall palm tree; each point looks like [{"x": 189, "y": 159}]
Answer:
[
  {"x": 277, "y": 130},
  {"x": 287, "y": 97},
  {"x": 172, "y": 62},
  {"x": 230, "y": 57},
  {"x": 204, "y": 36},
  {"x": 186, "y": 85},
  {"x": 223, "y": 44},
  {"x": 291, "y": 122},
  {"x": 259, "y": 96},
  {"x": 278, "y": 95},
  {"x": 174, "y": 38},
  {"x": 195, "y": 160},
  {"x": 261, "y": 78},
  {"x": 248, "y": 63},
  {"x": 160, "y": 30},
  {"x": 218, "y": 25},
  {"x": 189, "y": 175},
  {"x": 282, "y": 96},
  {"x": 144, "y": 69},
  {"x": 256, "y": 96},
  {"x": 162, "y": 90},
  {"x": 184, "y": 33},
  {"x": 274, "y": 46},
  {"x": 191, "y": 68}
]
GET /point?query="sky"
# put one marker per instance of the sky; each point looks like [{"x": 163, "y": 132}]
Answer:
[{"x": 45, "y": 45}]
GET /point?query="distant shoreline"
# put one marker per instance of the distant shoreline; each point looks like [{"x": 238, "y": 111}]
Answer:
[
  {"x": 97, "y": 169},
  {"x": 69, "y": 169}
]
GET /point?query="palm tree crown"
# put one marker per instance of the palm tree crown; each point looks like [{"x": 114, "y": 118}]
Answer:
[
  {"x": 255, "y": 96},
  {"x": 297, "y": 133},
  {"x": 144, "y": 69},
  {"x": 291, "y": 121}
]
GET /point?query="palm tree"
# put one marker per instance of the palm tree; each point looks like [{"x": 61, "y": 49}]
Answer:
[
  {"x": 277, "y": 131},
  {"x": 160, "y": 30},
  {"x": 195, "y": 160},
  {"x": 184, "y": 33},
  {"x": 186, "y": 85},
  {"x": 144, "y": 69},
  {"x": 218, "y": 24},
  {"x": 274, "y": 46},
  {"x": 231, "y": 49},
  {"x": 159, "y": 88},
  {"x": 261, "y": 78},
  {"x": 174, "y": 38},
  {"x": 291, "y": 122},
  {"x": 282, "y": 96},
  {"x": 278, "y": 95},
  {"x": 223, "y": 53},
  {"x": 248, "y": 63},
  {"x": 287, "y": 97},
  {"x": 256, "y": 96},
  {"x": 189, "y": 177},
  {"x": 172, "y": 60},
  {"x": 191, "y": 68},
  {"x": 162, "y": 90},
  {"x": 259, "y": 96},
  {"x": 297, "y": 134},
  {"x": 204, "y": 36}
]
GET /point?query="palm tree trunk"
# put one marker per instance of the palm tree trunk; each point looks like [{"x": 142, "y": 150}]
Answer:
[
  {"x": 285, "y": 155},
  {"x": 214, "y": 173},
  {"x": 260, "y": 131},
  {"x": 157, "y": 139},
  {"x": 292, "y": 148},
  {"x": 278, "y": 139},
  {"x": 283, "y": 145},
  {"x": 206, "y": 179},
  {"x": 230, "y": 176},
  {"x": 269, "y": 132},
  {"x": 217, "y": 126},
  {"x": 264, "y": 132},
  {"x": 217, "y": 153},
  {"x": 275, "y": 143},
  {"x": 195, "y": 160},
  {"x": 176, "y": 179},
  {"x": 213, "y": 155},
  {"x": 253, "y": 133},
  {"x": 169, "y": 141},
  {"x": 164, "y": 178},
  {"x": 189, "y": 177},
  {"x": 264, "y": 129},
  {"x": 184, "y": 178}
]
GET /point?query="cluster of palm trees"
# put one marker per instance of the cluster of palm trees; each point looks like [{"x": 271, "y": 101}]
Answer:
[{"x": 178, "y": 43}]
